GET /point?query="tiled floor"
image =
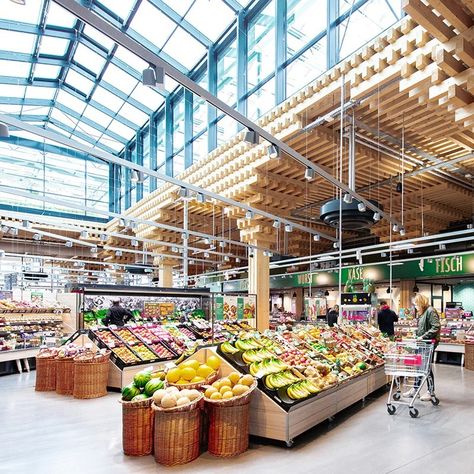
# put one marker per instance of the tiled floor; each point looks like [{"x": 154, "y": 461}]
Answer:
[{"x": 48, "y": 433}]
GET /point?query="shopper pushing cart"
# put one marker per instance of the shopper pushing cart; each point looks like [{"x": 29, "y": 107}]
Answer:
[{"x": 413, "y": 361}]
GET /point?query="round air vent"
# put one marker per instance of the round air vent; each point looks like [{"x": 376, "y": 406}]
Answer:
[{"x": 352, "y": 218}]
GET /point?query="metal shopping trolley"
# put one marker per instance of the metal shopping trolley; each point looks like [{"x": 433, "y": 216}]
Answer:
[{"x": 411, "y": 360}]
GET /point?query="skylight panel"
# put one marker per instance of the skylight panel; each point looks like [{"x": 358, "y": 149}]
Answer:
[
  {"x": 147, "y": 97},
  {"x": 97, "y": 116},
  {"x": 130, "y": 59},
  {"x": 79, "y": 82},
  {"x": 16, "y": 12},
  {"x": 121, "y": 8},
  {"x": 203, "y": 10},
  {"x": 89, "y": 59},
  {"x": 35, "y": 110},
  {"x": 57, "y": 129},
  {"x": 146, "y": 21},
  {"x": 10, "y": 109},
  {"x": 111, "y": 143},
  {"x": 14, "y": 68},
  {"x": 121, "y": 129},
  {"x": 24, "y": 134},
  {"x": 62, "y": 117},
  {"x": 120, "y": 79},
  {"x": 88, "y": 130},
  {"x": 46, "y": 71},
  {"x": 70, "y": 101},
  {"x": 180, "y": 6},
  {"x": 133, "y": 114},
  {"x": 98, "y": 37},
  {"x": 34, "y": 92},
  {"x": 17, "y": 42},
  {"x": 184, "y": 48},
  {"x": 10, "y": 90},
  {"x": 58, "y": 16},
  {"x": 170, "y": 84},
  {"x": 53, "y": 46},
  {"x": 107, "y": 99}
]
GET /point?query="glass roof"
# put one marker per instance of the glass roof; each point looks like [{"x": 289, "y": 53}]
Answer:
[{"x": 57, "y": 72}]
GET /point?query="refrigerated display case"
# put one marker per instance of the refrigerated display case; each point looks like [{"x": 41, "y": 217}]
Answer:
[{"x": 356, "y": 308}]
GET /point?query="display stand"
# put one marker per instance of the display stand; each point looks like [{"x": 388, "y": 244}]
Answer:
[{"x": 451, "y": 348}]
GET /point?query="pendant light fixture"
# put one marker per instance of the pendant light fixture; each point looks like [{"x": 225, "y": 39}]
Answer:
[
  {"x": 416, "y": 289},
  {"x": 4, "y": 131}
]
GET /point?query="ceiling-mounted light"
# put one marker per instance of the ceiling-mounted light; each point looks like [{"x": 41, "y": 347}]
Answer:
[
  {"x": 4, "y": 130},
  {"x": 402, "y": 231},
  {"x": 103, "y": 237},
  {"x": 134, "y": 176},
  {"x": 226, "y": 258},
  {"x": 183, "y": 192},
  {"x": 445, "y": 287},
  {"x": 37, "y": 237},
  {"x": 212, "y": 247},
  {"x": 416, "y": 289},
  {"x": 118, "y": 253},
  {"x": 250, "y": 253},
  {"x": 2, "y": 253},
  {"x": 68, "y": 244},
  {"x": 14, "y": 231},
  {"x": 383, "y": 254},
  {"x": 335, "y": 245},
  {"x": 184, "y": 236},
  {"x": 469, "y": 226},
  {"x": 399, "y": 187},
  {"x": 395, "y": 228},
  {"x": 94, "y": 250},
  {"x": 288, "y": 228},
  {"x": 200, "y": 198},
  {"x": 376, "y": 216},
  {"x": 389, "y": 290},
  {"x": 251, "y": 137},
  {"x": 442, "y": 246},
  {"x": 237, "y": 260},
  {"x": 326, "y": 293},
  {"x": 249, "y": 215},
  {"x": 134, "y": 243},
  {"x": 273, "y": 152},
  {"x": 222, "y": 245},
  {"x": 347, "y": 198},
  {"x": 207, "y": 241},
  {"x": 276, "y": 224},
  {"x": 191, "y": 262},
  {"x": 309, "y": 174},
  {"x": 361, "y": 207},
  {"x": 141, "y": 177},
  {"x": 410, "y": 250},
  {"x": 206, "y": 254},
  {"x": 154, "y": 77},
  {"x": 174, "y": 249},
  {"x": 26, "y": 224},
  {"x": 84, "y": 234},
  {"x": 316, "y": 237}
]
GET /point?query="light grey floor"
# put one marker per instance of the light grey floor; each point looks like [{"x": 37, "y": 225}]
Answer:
[{"x": 47, "y": 433}]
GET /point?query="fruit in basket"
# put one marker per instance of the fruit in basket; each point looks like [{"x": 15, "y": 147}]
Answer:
[
  {"x": 225, "y": 382},
  {"x": 247, "y": 379},
  {"x": 193, "y": 363},
  {"x": 227, "y": 395},
  {"x": 183, "y": 401},
  {"x": 209, "y": 391},
  {"x": 204, "y": 371},
  {"x": 182, "y": 382},
  {"x": 158, "y": 395},
  {"x": 173, "y": 375},
  {"x": 197, "y": 379},
  {"x": 213, "y": 362},
  {"x": 142, "y": 378},
  {"x": 225, "y": 389},
  {"x": 234, "y": 377},
  {"x": 173, "y": 397},
  {"x": 129, "y": 392},
  {"x": 158, "y": 375},
  {"x": 141, "y": 396},
  {"x": 216, "y": 396},
  {"x": 152, "y": 386},
  {"x": 187, "y": 373},
  {"x": 239, "y": 389},
  {"x": 168, "y": 401}
]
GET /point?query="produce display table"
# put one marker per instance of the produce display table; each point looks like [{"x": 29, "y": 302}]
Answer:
[{"x": 452, "y": 348}]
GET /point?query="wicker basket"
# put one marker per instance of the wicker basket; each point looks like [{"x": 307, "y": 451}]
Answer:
[
  {"x": 64, "y": 375},
  {"x": 90, "y": 376},
  {"x": 137, "y": 427},
  {"x": 229, "y": 424},
  {"x": 176, "y": 438},
  {"x": 45, "y": 373},
  {"x": 469, "y": 356},
  {"x": 197, "y": 385}
]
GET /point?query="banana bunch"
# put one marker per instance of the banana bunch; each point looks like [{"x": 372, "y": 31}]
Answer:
[
  {"x": 255, "y": 355},
  {"x": 301, "y": 390},
  {"x": 267, "y": 366},
  {"x": 188, "y": 352},
  {"x": 280, "y": 379},
  {"x": 246, "y": 344},
  {"x": 228, "y": 348}
]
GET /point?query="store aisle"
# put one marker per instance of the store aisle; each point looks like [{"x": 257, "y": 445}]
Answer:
[{"x": 48, "y": 433}]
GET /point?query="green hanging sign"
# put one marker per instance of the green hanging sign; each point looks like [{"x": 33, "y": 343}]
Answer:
[{"x": 219, "y": 308}]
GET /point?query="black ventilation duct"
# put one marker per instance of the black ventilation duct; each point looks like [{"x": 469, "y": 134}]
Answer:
[{"x": 352, "y": 217}]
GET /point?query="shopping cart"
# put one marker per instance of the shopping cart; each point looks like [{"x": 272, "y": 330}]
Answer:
[{"x": 412, "y": 360}]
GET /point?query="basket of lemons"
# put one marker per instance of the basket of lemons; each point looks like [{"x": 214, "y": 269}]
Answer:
[{"x": 192, "y": 374}]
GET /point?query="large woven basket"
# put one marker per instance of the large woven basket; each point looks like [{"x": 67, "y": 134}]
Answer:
[
  {"x": 45, "y": 373},
  {"x": 469, "y": 356},
  {"x": 176, "y": 437},
  {"x": 64, "y": 375},
  {"x": 229, "y": 424},
  {"x": 137, "y": 427},
  {"x": 90, "y": 377}
]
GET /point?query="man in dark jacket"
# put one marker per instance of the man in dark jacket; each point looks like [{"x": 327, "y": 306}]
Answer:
[
  {"x": 333, "y": 315},
  {"x": 117, "y": 315},
  {"x": 385, "y": 318}
]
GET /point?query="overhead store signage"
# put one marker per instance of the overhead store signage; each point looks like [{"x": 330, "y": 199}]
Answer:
[{"x": 446, "y": 266}]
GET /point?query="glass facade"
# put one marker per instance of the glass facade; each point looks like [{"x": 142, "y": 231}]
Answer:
[{"x": 252, "y": 54}]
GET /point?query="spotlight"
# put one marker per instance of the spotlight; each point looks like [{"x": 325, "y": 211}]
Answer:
[
  {"x": 134, "y": 176},
  {"x": 410, "y": 251},
  {"x": 399, "y": 187},
  {"x": 26, "y": 224},
  {"x": 222, "y": 245},
  {"x": 207, "y": 241},
  {"x": 174, "y": 249},
  {"x": 206, "y": 254},
  {"x": 68, "y": 244},
  {"x": 288, "y": 228},
  {"x": 445, "y": 287},
  {"x": 249, "y": 215},
  {"x": 276, "y": 224},
  {"x": 347, "y": 198},
  {"x": 200, "y": 198},
  {"x": 250, "y": 253},
  {"x": 94, "y": 250},
  {"x": 470, "y": 226},
  {"x": 316, "y": 237},
  {"x": 226, "y": 258},
  {"x": 103, "y": 237},
  {"x": 153, "y": 77},
  {"x": 326, "y": 293},
  {"x": 118, "y": 253},
  {"x": 37, "y": 237},
  {"x": 273, "y": 152},
  {"x": 361, "y": 207},
  {"x": 415, "y": 289},
  {"x": 389, "y": 290},
  {"x": 2, "y": 253},
  {"x": 141, "y": 177},
  {"x": 335, "y": 245},
  {"x": 442, "y": 246},
  {"x": 84, "y": 234},
  {"x": 183, "y": 192},
  {"x": 395, "y": 227},
  {"x": 237, "y": 260},
  {"x": 376, "y": 216},
  {"x": 309, "y": 174},
  {"x": 383, "y": 254},
  {"x": 14, "y": 231},
  {"x": 402, "y": 231},
  {"x": 134, "y": 243},
  {"x": 133, "y": 225},
  {"x": 4, "y": 130},
  {"x": 251, "y": 137}
]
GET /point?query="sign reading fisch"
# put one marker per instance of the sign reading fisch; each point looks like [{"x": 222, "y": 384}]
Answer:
[{"x": 449, "y": 265}]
